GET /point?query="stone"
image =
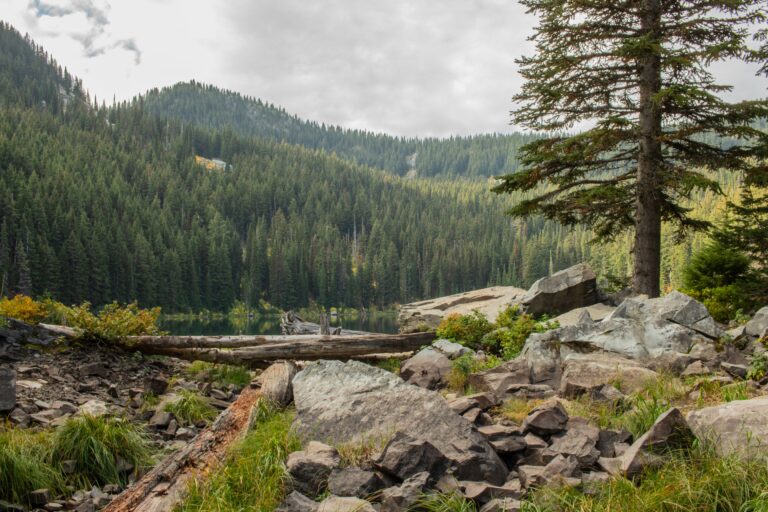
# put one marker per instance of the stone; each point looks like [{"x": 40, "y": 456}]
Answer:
[
  {"x": 311, "y": 468},
  {"x": 538, "y": 476},
  {"x": 53, "y": 506},
  {"x": 344, "y": 504},
  {"x": 502, "y": 505},
  {"x": 10, "y": 507},
  {"x": 450, "y": 349},
  {"x": 354, "y": 481},
  {"x": 429, "y": 369},
  {"x": 482, "y": 492},
  {"x": 277, "y": 382},
  {"x": 185, "y": 434},
  {"x": 758, "y": 325},
  {"x": 499, "y": 380},
  {"x": 7, "y": 389},
  {"x": 548, "y": 418},
  {"x": 352, "y": 402},
  {"x": 594, "y": 481},
  {"x": 64, "y": 407},
  {"x": 87, "y": 506},
  {"x": 97, "y": 369},
  {"x": 39, "y": 497},
  {"x": 297, "y": 502},
  {"x": 398, "y": 499},
  {"x": 607, "y": 440},
  {"x": 160, "y": 420},
  {"x": 113, "y": 391},
  {"x": 576, "y": 443},
  {"x": 429, "y": 313},
  {"x": 696, "y": 369},
  {"x": 585, "y": 315},
  {"x": 610, "y": 394},
  {"x": 587, "y": 374},
  {"x": 404, "y": 456},
  {"x": 155, "y": 385},
  {"x": 482, "y": 401},
  {"x": 737, "y": 427},
  {"x": 572, "y": 288},
  {"x": 19, "y": 417},
  {"x": 670, "y": 431},
  {"x": 738, "y": 371},
  {"x": 504, "y": 439},
  {"x": 94, "y": 408}
]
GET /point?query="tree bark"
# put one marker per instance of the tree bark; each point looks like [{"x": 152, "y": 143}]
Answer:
[{"x": 647, "y": 248}]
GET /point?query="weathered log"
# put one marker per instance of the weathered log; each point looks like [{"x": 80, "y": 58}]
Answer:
[
  {"x": 162, "y": 488},
  {"x": 276, "y": 382},
  {"x": 139, "y": 342},
  {"x": 293, "y": 324},
  {"x": 328, "y": 347}
]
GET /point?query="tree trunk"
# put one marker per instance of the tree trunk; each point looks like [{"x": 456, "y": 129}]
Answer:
[{"x": 647, "y": 249}]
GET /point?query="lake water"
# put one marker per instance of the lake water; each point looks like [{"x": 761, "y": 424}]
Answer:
[{"x": 380, "y": 322}]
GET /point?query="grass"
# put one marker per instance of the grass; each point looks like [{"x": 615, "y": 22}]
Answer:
[
  {"x": 96, "y": 445},
  {"x": 355, "y": 453},
  {"x": 445, "y": 502},
  {"x": 464, "y": 366},
  {"x": 391, "y": 364},
  {"x": 696, "y": 480},
  {"x": 516, "y": 409},
  {"x": 25, "y": 465},
  {"x": 253, "y": 477},
  {"x": 191, "y": 408},
  {"x": 220, "y": 374}
]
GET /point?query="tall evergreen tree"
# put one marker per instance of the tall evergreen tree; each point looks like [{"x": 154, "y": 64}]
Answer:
[{"x": 637, "y": 70}]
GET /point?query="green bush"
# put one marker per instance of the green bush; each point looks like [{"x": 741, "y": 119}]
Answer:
[
  {"x": 190, "y": 408},
  {"x": 468, "y": 330},
  {"x": 25, "y": 465},
  {"x": 515, "y": 327},
  {"x": 98, "y": 446}
]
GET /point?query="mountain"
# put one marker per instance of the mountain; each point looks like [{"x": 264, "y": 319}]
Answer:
[{"x": 479, "y": 156}]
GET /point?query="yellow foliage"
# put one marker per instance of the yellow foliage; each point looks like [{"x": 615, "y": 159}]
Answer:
[
  {"x": 113, "y": 321},
  {"x": 23, "y": 308}
]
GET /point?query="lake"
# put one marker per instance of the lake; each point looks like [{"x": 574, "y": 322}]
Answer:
[{"x": 379, "y": 322}]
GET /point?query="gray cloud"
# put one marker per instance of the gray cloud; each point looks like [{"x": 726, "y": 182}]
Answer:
[{"x": 98, "y": 20}]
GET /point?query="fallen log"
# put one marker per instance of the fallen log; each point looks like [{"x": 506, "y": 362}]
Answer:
[
  {"x": 322, "y": 347},
  {"x": 162, "y": 488},
  {"x": 240, "y": 341}
]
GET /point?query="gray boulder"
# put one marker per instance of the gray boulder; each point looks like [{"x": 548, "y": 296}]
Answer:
[
  {"x": 397, "y": 499},
  {"x": 737, "y": 427},
  {"x": 482, "y": 492},
  {"x": 297, "y": 502},
  {"x": 354, "y": 482},
  {"x": 344, "y": 504},
  {"x": 353, "y": 402},
  {"x": 670, "y": 431},
  {"x": 502, "y": 380},
  {"x": 429, "y": 369},
  {"x": 7, "y": 389},
  {"x": 758, "y": 326},
  {"x": 587, "y": 374},
  {"x": 404, "y": 456},
  {"x": 450, "y": 349},
  {"x": 572, "y": 288},
  {"x": 546, "y": 419},
  {"x": 311, "y": 468}
]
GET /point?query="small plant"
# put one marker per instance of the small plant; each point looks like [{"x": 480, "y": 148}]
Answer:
[
  {"x": 23, "y": 308},
  {"x": 25, "y": 465},
  {"x": 445, "y": 502},
  {"x": 516, "y": 409},
  {"x": 468, "y": 330},
  {"x": 735, "y": 391},
  {"x": 100, "y": 448},
  {"x": 356, "y": 453},
  {"x": 643, "y": 414},
  {"x": 191, "y": 408},
  {"x": 758, "y": 366},
  {"x": 466, "y": 365},
  {"x": 391, "y": 364}
]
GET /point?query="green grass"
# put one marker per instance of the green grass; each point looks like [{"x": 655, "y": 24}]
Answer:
[
  {"x": 25, "y": 465},
  {"x": 191, "y": 408},
  {"x": 253, "y": 477},
  {"x": 391, "y": 364},
  {"x": 696, "y": 481},
  {"x": 220, "y": 374},
  {"x": 356, "y": 453},
  {"x": 445, "y": 502},
  {"x": 96, "y": 444}
]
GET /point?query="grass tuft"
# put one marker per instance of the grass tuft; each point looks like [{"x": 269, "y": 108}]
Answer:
[
  {"x": 516, "y": 409},
  {"x": 97, "y": 445},
  {"x": 445, "y": 502},
  {"x": 356, "y": 453},
  {"x": 253, "y": 477},
  {"x": 25, "y": 465},
  {"x": 190, "y": 408}
]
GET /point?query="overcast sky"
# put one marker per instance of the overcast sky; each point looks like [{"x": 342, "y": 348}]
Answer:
[{"x": 405, "y": 67}]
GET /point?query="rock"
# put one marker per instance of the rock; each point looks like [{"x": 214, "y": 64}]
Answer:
[
  {"x": 429, "y": 313},
  {"x": 501, "y": 379},
  {"x": 586, "y": 374},
  {"x": 577, "y": 443},
  {"x": 7, "y": 389},
  {"x": 64, "y": 407},
  {"x": 450, "y": 349},
  {"x": 160, "y": 420},
  {"x": 347, "y": 504},
  {"x": 607, "y": 440},
  {"x": 277, "y": 382},
  {"x": 696, "y": 369},
  {"x": 354, "y": 482},
  {"x": 572, "y": 288},
  {"x": 39, "y": 497},
  {"x": 610, "y": 394},
  {"x": 53, "y": 506},
  {"x": 758, "y": 326},
  {"x": 502, "y": 505},
  {"x": 737, "y": 427},
  {"x": 504, "y": 439},
  {"x": 397, "y": 499},
  {"x": 738, "y": 371},
  {"x": 10, "y": 507},
  {"x": 185, "y": 434},
  {"x": 297, "y": 502},
  {"x": 311, "y": 468},
  {"x": 670, "y": 431},
  {"x": 429, "y": 369},
  {"x": 482, "y": 401},
  {"x": 588, "y": 315},
  {"x": 155, "y": 385},
  {"x": 97, "y": 369},
  {"x": 482, "y": 492},
  {"x": 19, "y": 418},
  {"x": 557, "y": 469},
  {"x": 594, "y": 481},
  {"x": 548, "y": 418},
  {"x": 87, "y": 506},
  {"x": 349, "y": 402},
  {"x": 94, "y": 408},
  {"x": 404, "y": 456}
]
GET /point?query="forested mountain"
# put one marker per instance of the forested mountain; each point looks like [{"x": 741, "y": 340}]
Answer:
[
  {"x": 477, "y": 156},
  {"x": 109, "y": 203}
]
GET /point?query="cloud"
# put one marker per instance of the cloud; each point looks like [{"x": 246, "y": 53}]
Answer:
[{"x": 94, "y": 38}]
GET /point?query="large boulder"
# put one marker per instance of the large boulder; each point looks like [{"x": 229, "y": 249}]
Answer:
[
  {"x": 404, "y": 456},
  {"x": 7, "y": 389},
  {"x": 587, "y": 374},
  {"x": 572, "y": 288},
  {"x": 738, "y": 427},
  {"x": 352, "y": 401},
  {"x": 758, "y": 326},
  {"x": 311, "y": 468},
  {"x": 429, "y": 313},
  {"x": 429, "y": 369}
]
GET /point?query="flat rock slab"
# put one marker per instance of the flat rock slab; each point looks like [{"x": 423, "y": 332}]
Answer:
[
  {"x": 563, "y": 291},
  {"x": 347, "y": 402},
  {"x": 596, "y": 312},
  {"x": 738, "y": 427}
]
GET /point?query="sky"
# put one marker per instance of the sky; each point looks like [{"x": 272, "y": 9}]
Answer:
[{"x": 404, "y": 67}]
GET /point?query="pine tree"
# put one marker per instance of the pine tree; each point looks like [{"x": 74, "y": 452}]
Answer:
[
  {"x": 24, "y": 282},
  {"x": 638, "y": 70}
]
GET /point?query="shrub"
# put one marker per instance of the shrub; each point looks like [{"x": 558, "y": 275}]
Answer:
[
  {"x": 113, "y": 321},
  {"x": 25, "y": 465},
  {"x": 99, "y": 446},
  {"x": 23, "y": 308},
  {"x": 516, "y": 327},
  {"x": 758, "y": 366},
  {"x": 468, "y": 330},
  {"x": 190, "y": 408},
  {"x": 253, "y": 476}
]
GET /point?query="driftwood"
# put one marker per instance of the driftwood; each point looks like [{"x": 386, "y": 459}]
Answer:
[
  {"x": 164, "y": 486},
  {"x": 306, "y": 349},
  {"x": 293, "y": 324}
]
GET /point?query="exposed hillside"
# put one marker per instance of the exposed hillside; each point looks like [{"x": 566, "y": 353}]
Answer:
[{"x": 205, "y": 105}]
